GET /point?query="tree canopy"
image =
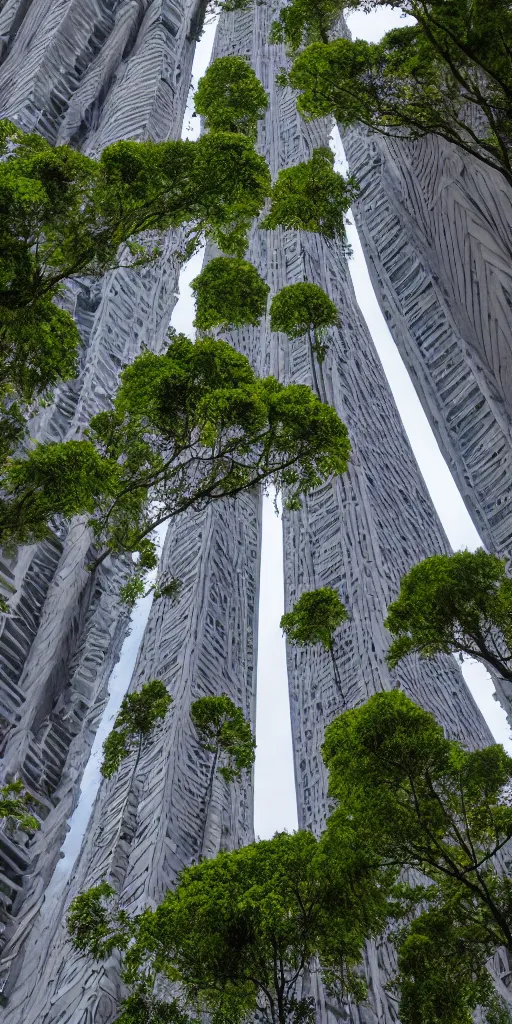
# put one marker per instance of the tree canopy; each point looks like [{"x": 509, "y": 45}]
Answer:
[
  {"x": 304, "y": 309},
  {"x": 230, "y": 97},
  {"x": 229, "y": 293},
  {"x": 188, "y": 426},
  {"x": 312, "y": 196},
  {"x": 223, "y": 731},
  {"x": 239, "y": 932},
  {"x": 140, "y": 711},
  {"x": 65, "y": 215},
  {"x": 413, "y": 799},
  {"x": 448, "y": 74},
  {"x": 314, "y": 619},
  {"x": 459, "y": 603}
]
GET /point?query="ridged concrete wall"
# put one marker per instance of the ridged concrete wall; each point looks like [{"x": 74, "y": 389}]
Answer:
[
  {"x": 435, "y": 228},
  {"x": 149, "y": 824},
  {"x": 87, "y": 73}
]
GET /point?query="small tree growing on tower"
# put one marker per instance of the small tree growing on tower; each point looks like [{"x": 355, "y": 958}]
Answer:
[
  {"x": 224, "y": 732},
  {"x": 314, "y": 619},
  {"x": 454, "y": 604},
  {"x": 304, "y": 309}
]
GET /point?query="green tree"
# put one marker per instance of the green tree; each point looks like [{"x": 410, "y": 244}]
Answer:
[
  {"x": 304, "y": 309},
  {"x": 140, "y": 711},
  {"x": 412, "y": 799},
  {"x": 314, "y": 619},
  {"x": 15, "y": 806},
  {"x": 448, "y": 604},
  {"x": 312, "y": 196},
  {"x": 229, "y": 293},
  {"x": 230, "y": 97},
  {"x": 224, "y": 732},
  {"x": 303, "y": 22},
  {"x": 421, "y": 79},
  {"x": 240, "y": 932},
  {"x": 64, "y": 215},
  {"x": 189, "y": 426}
]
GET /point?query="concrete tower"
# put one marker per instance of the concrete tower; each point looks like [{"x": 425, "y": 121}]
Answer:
[
  {"x": 358, "y": 534},
  {"x": 435, "y": 229},
  {"x": 84, "y": 72}
]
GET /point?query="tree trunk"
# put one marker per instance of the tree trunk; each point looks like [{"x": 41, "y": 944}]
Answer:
[
  {"x": 208, "y": 799},
  {"x": 337, "y": 676},
  {"x": 127, "y": 797}
]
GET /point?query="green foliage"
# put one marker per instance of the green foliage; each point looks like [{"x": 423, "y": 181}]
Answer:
[
  {"x": 64, "y": 215},
  {"x": 142, "y": 1007},
  {"x": 420, "y": 79},
  {"x": 312, "y": 196},
  {"x": 15, "y": 804},
  {"x": 411, "y": 799},
  {"x": 314, "y": 618},
  {"x": 302, "y": 22},
  {"x": 169, "y": 587},
  {"x": 239, "y": 932},
  {"x": 229, "y": 293},
  {"x": 94, "y": 926},
  {"x": 140, "y": 712},
  {"x": 442, "y": 973},
  {"x": 230, "y": 97},
  {"x": 454, "y": 603},
  {"x": 189, "y": 426},
  {"x": 223, "y": 730},
  {"x": 300, "y": 309}
]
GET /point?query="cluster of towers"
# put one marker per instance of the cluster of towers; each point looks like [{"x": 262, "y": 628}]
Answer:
[{"x": 436, "y": 233}]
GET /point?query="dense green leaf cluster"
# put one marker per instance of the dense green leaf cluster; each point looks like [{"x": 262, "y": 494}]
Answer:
[
  {"x": 188, "y": 427},
  {"x": 230, "y": 97},
  {"x": 448, "y": 74},
  {"x": 314, "y": 618},
  {"x": 229, "y": 293},
  {"x": 312, "y": 196},
  {"x": 138, "y": 716},
  {"x": 410, "y": 798},
  {"x": 459, "y": 603},
  {"x": 304, "y": 309},
  {"x": 15, "y": 807},
  {"x": 223, "y": 731},
  {"x": 64, "y": 215},
  {"x": 239, "y": 931},
  {"x": 94, "y": 925}
]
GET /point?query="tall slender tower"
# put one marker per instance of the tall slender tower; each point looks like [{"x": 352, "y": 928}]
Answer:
[
  {"x": 358, "y": 534},
  {"x": 84, "y": 72},
  {"x": 435, "y": 228}
]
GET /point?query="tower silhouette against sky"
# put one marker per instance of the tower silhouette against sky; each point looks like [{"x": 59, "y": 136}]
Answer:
[{"x": 359, "y": 533}]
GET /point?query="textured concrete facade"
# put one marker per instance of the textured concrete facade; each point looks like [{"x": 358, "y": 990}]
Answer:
[
  {"x": 147, "y": 826},
  {"x": 435, "y": 228},
  {"x": 87, "y": 73}
]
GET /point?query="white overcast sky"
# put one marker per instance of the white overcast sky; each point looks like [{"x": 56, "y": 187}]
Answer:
[{"x": 275, "y": 805}]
